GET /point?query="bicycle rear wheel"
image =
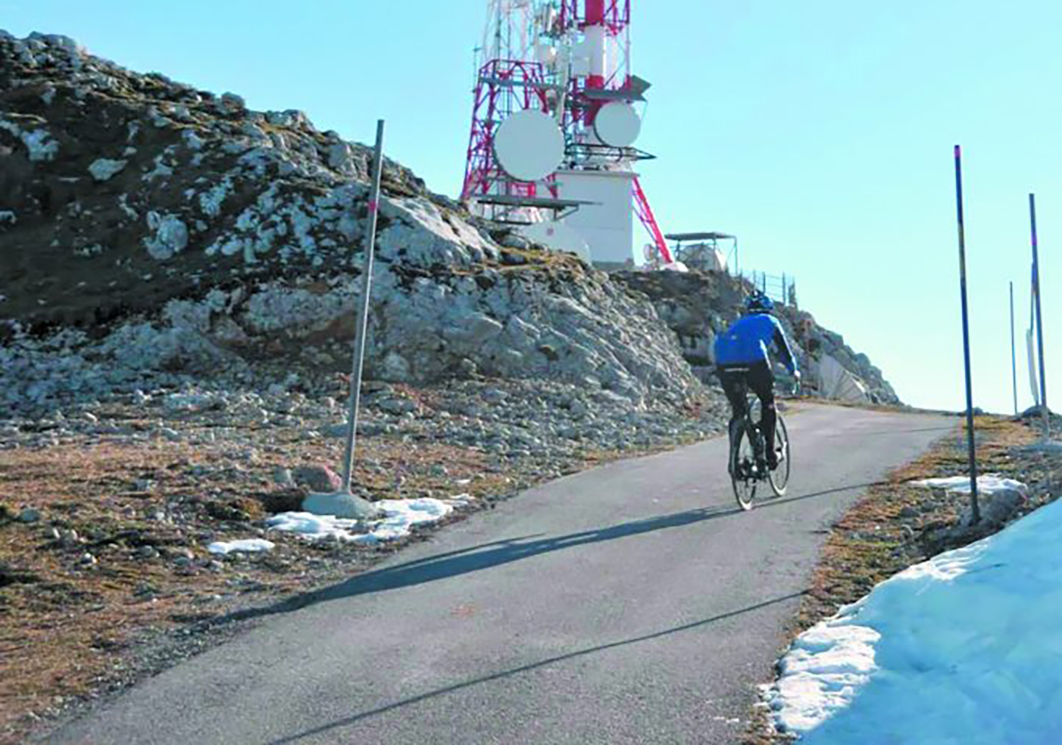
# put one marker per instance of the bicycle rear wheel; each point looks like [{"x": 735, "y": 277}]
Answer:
[
  {"x": 779, "y": 477},
  {"x": 742, "y": 469}
]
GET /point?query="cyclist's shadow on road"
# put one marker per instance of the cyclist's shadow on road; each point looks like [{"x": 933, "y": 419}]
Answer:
[
  {"x": 484, "y": 556},
  {"x": 497, "y": 553}
]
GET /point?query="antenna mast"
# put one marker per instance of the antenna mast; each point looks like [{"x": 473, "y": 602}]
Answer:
[{"x": 568, "y": 60}]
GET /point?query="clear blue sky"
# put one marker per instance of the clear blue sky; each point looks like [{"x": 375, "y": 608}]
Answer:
[{"x": 820, "y": 132}]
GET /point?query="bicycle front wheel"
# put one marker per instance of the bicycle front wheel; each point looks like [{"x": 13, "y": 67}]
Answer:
[
  {"x": 779, "y": 477},
  {"x": 743, "y": 469}
]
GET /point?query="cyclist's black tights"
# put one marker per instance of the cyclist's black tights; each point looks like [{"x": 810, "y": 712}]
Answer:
[{"x": 736, "y": 379}]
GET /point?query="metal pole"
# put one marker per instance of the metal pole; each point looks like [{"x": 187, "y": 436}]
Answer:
[
  {"x": 1039, "y": 319},
  {"x": 974, "y": 506},
  {"x": 1013, "y": 354},
  {"x": 363, "y": 310},
  {"x": 343, "y": 503}
]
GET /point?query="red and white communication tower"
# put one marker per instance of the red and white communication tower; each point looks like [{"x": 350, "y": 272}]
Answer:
[{"x": 556, "y": 115}]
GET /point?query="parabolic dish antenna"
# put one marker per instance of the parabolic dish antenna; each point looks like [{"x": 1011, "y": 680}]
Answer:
[
  {"x": 617, "y": 124},
  {"x": 557, "y": 236},
  {"x": 529, "y": 145}
]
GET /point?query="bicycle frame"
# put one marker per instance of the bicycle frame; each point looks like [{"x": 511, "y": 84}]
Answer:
[{"x": 749, "y": 470}]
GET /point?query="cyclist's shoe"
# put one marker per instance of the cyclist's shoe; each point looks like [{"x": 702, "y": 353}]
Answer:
[{"x": 774, "y": 458}]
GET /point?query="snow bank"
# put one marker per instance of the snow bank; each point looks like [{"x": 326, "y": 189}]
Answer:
[
  {"x": 248, "y": 545},
  {"x": 400, "y": 515},
  {"x": 964, "y": 648}
]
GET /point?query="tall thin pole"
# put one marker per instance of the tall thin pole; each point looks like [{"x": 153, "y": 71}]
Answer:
[
  {"x": 1039, "y": 318},
  {"x": 975, "y": 507},
  {"x": 363, "y": 310},
  {"x": 1013, "y": 353}
]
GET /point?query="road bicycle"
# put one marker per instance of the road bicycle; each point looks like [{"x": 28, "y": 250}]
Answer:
[{"x": 748, "y": 454}]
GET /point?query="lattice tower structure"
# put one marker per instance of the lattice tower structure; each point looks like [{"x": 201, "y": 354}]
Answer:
[
  {"x": 566, "y": 58},
  {"x": 508, "y": 79}
]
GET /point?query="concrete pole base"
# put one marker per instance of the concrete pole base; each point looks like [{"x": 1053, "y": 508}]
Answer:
[{"x": 340, "y": 504}]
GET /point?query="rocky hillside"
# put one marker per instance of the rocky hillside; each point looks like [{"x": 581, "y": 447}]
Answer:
[
  {"x": 697, "y": 306},
  {"x": 160, "y": 227},
  {"x": 149, "y": 230}
]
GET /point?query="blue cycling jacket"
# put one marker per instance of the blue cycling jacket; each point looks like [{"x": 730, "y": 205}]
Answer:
[{"x": 747, "y": 341}]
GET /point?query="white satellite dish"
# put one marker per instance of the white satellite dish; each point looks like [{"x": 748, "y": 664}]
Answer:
[
  {"x": 529, "y": 145},
  {"x": 617, "y": 124},
  {"x": 557, "y": 236}
]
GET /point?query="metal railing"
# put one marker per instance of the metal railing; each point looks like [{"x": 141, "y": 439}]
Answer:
[{"x": 779, "y": 288}]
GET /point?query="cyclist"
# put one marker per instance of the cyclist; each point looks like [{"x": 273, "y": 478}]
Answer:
[{"x": 741, "y": 359}]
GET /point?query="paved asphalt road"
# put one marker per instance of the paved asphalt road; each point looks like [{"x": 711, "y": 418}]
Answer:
[{"x": 629, "y": 604}]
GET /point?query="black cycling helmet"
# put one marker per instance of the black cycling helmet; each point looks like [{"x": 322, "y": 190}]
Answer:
[{"x": 757, "y": 302}]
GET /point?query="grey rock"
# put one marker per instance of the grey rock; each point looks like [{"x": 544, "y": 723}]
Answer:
[
  {"x": 320, "y": 479},
  {"x": 231, "y": 103},
  {"x": 282, "y": 476},
  {"x": 397, "y": 405}
]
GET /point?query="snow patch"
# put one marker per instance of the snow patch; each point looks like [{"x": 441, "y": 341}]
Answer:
[
  {"x": 400, "y": 515},
  {"x": 986, "y": 484},
  {"x": 822, "y": 673},
  {"x": 314, "y": 527},
  {"x": 247, "y": 545}
]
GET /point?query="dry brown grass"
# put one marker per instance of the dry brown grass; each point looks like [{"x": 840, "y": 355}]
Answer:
[{"x": 65, "y": 627}]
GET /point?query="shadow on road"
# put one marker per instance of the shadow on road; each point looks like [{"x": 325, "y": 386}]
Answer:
[
  {"x": 485, "y": 556},
  {"x": 498, "y": 553},
  {"x": 360, "y": 716},
  {"x": 772, "y": 501}
]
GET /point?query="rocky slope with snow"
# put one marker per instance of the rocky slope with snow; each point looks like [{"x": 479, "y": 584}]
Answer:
[
  {"x": 152, "y": 233},
  {"x": 159, "y": 227}
]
